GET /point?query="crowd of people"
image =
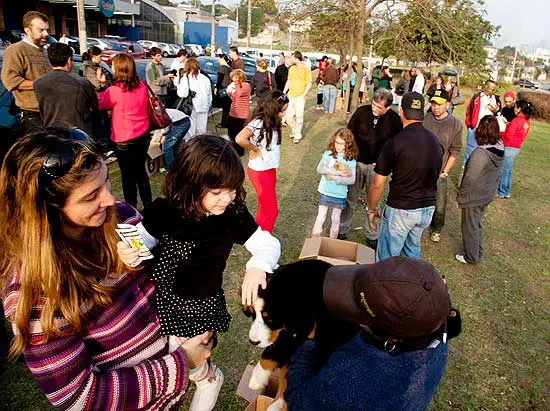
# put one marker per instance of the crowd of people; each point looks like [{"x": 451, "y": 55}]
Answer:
[{"x": 114, "y": 331}]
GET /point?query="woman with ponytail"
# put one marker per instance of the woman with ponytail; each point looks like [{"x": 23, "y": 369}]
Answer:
[{"x": 513, "y": 138}]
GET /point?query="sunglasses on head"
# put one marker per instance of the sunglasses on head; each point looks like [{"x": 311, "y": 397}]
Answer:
[
  {"x": 283, "y": 98},
  {"x": 60, "y": 159}
]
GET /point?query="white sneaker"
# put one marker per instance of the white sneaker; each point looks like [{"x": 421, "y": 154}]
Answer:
[
  {"x": 460, "y": 258},
  {"x": 206, "y": 394},
  {"x": 163, "y": 170}
]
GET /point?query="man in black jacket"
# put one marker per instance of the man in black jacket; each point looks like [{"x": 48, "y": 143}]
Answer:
[
  {"x": 372, "y": 126},
  {"x": 64, "y": 99}
]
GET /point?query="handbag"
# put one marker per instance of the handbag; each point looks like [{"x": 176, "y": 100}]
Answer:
[
  {"x": 222, "y": 93},
  {"x": 185, "y": 104},
  {"x": 158, "y": 117}
]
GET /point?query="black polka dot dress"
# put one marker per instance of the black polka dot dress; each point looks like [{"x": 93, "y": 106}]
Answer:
[{"x": 189, "y": 264}]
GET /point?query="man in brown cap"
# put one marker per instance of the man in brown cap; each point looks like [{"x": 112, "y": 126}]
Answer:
[{"x": 397, "y": 361}]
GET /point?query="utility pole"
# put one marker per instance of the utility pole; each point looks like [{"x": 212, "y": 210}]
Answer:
[
  {"x": 213, "y": 30},
  {"x": 81, "y": 17},
  {"x": 249, "y": 23},
  {"x": 514, "y": 64},
  {"x": 237, "y": 18}
]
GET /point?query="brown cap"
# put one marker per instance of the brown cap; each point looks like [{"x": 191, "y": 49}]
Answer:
[{"x": 402, "y": 296}]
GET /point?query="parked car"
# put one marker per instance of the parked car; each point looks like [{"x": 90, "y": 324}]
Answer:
[
  {"x": 101, "y": 43},
  {"x": 111, "y": 38},
  {"x": 10, "y": 124},
  {"x": 74, "y": 43},
  {"x": 196, "y": 49},
  {"x": 135, "y": 49},
  {"x": 166, "y": 49},
  {"x": 271, "y": 63},
  {"x": 8, "y": 37},
  {"x": 523, "y": 83},
  {"x": 249, "y": 67},
  {"x": 209, "y": 67}
]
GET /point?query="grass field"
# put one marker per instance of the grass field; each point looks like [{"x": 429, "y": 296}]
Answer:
[{"x": 498, "y": 362}]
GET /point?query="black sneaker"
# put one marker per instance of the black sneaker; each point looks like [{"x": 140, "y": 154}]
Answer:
[
  {"x": 371, "y": 243},
  {"x": 342, "y": 236}
]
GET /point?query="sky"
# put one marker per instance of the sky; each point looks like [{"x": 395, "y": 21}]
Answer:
[{"x": 523, "y": 23}]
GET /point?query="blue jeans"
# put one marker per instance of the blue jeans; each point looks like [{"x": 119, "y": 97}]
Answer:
[
  {"x": 171, "y": 145},
  {"x": 329, "y": 98},
  {"x": 505, "y": 183},
  {"x": 401, "y": 230},
  {"x": 470, "y": 143}
]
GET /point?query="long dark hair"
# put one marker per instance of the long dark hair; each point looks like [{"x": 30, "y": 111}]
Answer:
[
  {"x": 92, "y": 51},
  {"x": 487, "y": 131},
  {"x": 205, "y": 163},
  {"x": 267, "y": 111},
  {"x": 525, "y": 107}
]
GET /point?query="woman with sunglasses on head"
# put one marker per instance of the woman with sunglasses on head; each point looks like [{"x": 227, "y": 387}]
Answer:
[
  {"x": 262, "y": 136},
  {"x": 128, "y": 101},
  {"x": 84, "y": 322}
]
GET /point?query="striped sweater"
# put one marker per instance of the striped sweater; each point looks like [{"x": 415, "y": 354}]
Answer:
[
  {"x": 119, "y": 361},
  {"x": 240, "y": 101}
]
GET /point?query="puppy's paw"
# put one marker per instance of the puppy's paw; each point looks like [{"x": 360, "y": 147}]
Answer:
[
  {"x": 278, "y": 405},
  {"x": 259, "y": 378}
]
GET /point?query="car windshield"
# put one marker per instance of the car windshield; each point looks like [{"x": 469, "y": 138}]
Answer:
[
  {"x": 118, "y": 47},
  {"x": 209, "y": 66}
]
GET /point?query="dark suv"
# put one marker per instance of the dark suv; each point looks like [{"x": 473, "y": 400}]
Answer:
[{"x": 526, "y": 84}]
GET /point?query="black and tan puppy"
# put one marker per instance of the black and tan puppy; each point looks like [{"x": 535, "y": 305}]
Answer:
[{"x": 286, "y": 313}]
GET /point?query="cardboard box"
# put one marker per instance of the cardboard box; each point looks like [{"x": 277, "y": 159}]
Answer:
[
  {"x": 244, "y": 391},
  {"x": 336, "y": 252},
  {"x": 260, "y": 403}
]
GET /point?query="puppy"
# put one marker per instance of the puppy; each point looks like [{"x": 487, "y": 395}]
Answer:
[{"x": 286, "y": 313}]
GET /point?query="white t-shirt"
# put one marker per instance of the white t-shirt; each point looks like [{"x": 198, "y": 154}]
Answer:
[
  {"x": 484, "y": 103},
  {"x": 270, "y": 158}
]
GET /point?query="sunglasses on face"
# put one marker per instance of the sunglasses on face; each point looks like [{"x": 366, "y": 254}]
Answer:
[{"x": 60, "y": 159}]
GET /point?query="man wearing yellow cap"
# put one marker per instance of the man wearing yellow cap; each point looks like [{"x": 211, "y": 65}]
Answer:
[{"x": 448, "y": 130}]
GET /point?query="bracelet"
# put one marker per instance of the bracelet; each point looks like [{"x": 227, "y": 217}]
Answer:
[{"x": 371, "y": 211}]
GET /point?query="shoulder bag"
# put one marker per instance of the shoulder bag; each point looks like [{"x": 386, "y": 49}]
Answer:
[
  {"x": 158, "y": 117},
  {"x": 185, "y": 104}
]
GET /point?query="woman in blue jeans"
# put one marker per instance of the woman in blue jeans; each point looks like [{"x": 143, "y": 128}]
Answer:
[{"x": 513, "y": 138}]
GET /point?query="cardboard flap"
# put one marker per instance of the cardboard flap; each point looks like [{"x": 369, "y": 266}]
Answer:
[
  {"x": 310, "y": 249},
  {"x": 365, "y": 255}
]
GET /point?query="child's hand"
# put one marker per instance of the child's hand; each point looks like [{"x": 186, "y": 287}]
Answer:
[
  {"x": 253, "y": 278},
  {"x": 345, "y": 171},
  {"x": 128, "y": 255},
  {"x": 198, "y": 349}
]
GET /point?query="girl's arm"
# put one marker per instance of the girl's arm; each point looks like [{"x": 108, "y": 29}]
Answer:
[
  {"x": 243, "y": 139},
  {"x": 347, "y": 180},
  {"x": 325, "y": 166},
  {"x": 265, "y": 250}
]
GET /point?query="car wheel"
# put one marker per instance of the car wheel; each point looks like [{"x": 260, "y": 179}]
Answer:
[{"x": 164, "y": 54}]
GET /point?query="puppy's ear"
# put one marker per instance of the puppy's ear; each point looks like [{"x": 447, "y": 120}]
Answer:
[{"x": 248, "y": 310}]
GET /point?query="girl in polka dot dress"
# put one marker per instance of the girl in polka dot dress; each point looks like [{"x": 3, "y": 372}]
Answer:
[{"x": 193, "y": 230}]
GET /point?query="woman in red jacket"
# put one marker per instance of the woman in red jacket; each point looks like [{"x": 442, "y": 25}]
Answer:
[
  {"x": 128, "y": 101},
  {"x": 514, "y": 136}
]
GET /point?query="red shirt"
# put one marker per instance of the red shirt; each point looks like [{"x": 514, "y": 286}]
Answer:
[
  {"x": 516, "y": 131},
  {"x": 129, "y": 111},
  {"x": 240, "y": 101}
]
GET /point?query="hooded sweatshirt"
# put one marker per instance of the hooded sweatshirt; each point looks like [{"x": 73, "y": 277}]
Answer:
[{"x": 481, "y": 176}]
